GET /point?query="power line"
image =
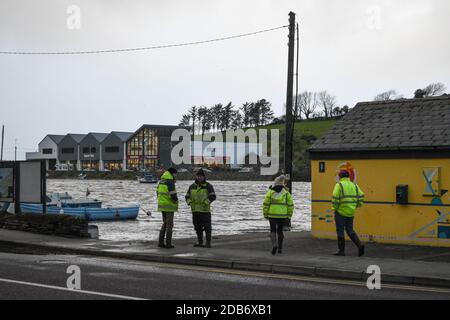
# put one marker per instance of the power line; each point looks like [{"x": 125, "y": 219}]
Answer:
[{"x": 142, "y": 48}]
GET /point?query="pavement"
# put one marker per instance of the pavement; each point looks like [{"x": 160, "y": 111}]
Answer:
[{"x": 303, "y": 256}]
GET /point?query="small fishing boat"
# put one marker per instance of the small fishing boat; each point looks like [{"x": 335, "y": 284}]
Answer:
[
  {"x": 148, "y": 178},
  {"x": 90, "y": 214},
  {"x": 65, "y": 200}
]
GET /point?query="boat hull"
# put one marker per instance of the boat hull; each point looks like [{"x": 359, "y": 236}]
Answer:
[{"x": 90, "y": 214}]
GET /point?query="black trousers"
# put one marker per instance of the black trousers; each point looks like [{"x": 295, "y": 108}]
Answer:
[
  {"x": 344, "y": 224},
  {"x": 202, "y": 222},
  {"x": 277, "y": 225}
]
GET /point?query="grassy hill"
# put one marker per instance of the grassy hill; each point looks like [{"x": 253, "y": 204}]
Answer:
[{"x": 305, "y": 133}]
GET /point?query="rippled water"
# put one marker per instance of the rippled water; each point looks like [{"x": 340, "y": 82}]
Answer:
[{"x": 236, "y": 211}]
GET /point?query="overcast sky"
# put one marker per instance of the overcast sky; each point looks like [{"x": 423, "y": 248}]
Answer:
[{"x": 352, "y": 48}]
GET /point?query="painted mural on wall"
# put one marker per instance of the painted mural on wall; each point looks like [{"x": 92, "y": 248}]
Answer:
[
  {"x": 433, "y": 200},
  {"x": 351, "y": 170},
  {"x": 440, "y": 227}
]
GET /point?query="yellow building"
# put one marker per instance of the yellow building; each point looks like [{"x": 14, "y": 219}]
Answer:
[{"x": 399, "y": 154}]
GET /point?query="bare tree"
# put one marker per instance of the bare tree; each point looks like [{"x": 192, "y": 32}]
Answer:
[
  {"x": 327, "y": 102},
  {"x": 307, "y": 104},
  {"x": 388, "y": 96},
  {"x": 434, "y": 89}
]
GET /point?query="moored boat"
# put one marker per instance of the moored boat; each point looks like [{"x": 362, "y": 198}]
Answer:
[
  {"x": 65, "y": 200},
  {"x": 90, "y": 214},
  {"x": 148, "y": 178}
]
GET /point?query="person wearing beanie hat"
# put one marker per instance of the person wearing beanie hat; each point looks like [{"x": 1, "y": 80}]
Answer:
[
  {"x": 278, "y": 206},
  {"x": 167, "y": 204},
  {"x": 347, "y": 197},
  {"x": 199, "y": 197}
]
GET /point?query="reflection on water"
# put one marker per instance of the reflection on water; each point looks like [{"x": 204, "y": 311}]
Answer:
[{"x": 238, "y": 208}]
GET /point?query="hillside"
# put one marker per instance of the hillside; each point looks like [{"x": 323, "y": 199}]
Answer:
[{"x": 305, "y": 133}]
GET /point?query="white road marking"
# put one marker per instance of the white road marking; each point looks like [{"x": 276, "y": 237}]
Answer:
[{"x": 70, "y": 290}]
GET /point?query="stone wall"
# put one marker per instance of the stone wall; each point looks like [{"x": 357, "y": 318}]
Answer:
[{"x": 60, "y": 225}]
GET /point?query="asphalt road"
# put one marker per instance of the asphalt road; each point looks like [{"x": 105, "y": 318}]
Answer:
[{"x": 30, "y": 276}]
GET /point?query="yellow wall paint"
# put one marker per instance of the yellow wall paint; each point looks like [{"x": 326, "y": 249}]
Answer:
[{"x": 411, "y": 224}]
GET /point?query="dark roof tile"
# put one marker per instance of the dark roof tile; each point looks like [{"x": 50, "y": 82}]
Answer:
[{"x": 414, "y": 123}]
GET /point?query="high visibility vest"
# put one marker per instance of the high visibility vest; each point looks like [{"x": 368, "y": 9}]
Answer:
[
  {"x": 278, "y": 205},
  {"x": 347, "y": 196},
  {"x": 165, "y": 201},
  {"x": 198, "y": 198}
]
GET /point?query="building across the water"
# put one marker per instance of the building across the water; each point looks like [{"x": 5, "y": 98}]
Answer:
[
  {"x": 48, "y": 151},
  {"x": 148, "y": 148},
  {"x": 399, "y": 154}
]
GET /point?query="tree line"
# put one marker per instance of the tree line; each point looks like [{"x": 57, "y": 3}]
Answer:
[
  {"x": 221, "y": 118},
  {"x": 307, "y": 105},
  {"x": 432, "y": 90},
  {"x": 310, "y": 105}
]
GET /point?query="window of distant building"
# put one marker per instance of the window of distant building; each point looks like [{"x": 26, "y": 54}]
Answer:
[
  {"x": 112, "y": 149},
  {"x": 142, "y": 150},
  {"x": 47, "y": 151},
  {"x": 67, "y": 150},
  {"x": 86, "y": 150}
]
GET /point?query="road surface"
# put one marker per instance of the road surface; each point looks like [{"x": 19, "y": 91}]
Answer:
[{"x": 43, "y": 276}]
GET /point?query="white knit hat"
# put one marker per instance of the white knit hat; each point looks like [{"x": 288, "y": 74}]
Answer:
[{"x": 280, "y": 181}]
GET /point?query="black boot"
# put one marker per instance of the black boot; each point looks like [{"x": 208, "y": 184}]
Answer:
[
  {"x": 280, "y": 243},
  {"x": 341, "y": 246},
  {"x": 361, "y": 248},
  {"x": 200, "y": 240},
  {"x": 169, "y": 240},
  {"x": 208, "y": 240},
  {"x": 161, "y": 239},
  {"x": 273, "y": 237}
]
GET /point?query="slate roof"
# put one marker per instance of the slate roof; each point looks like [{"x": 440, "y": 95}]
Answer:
[
  {"x": 405, "y": 124},
  {"x": 123, "y": 136},
  {"x": 56, "y": 138},
  {"x": 99, "y": 136},
  {"x": 77, "y": 137}
]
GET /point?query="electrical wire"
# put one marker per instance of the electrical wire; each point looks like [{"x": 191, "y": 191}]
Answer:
[{"x": 142, "y": 48}]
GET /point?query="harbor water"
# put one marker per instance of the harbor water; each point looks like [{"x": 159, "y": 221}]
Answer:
[{"x": 238, "y": 208}]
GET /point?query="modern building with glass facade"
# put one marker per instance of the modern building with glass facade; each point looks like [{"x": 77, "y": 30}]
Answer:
[{"x": 149, "y": 147}]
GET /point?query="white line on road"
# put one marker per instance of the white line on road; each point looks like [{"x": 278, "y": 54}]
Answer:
[{"x": 70, "y": 290}]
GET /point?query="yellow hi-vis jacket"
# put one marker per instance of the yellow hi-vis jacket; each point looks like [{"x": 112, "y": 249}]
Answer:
[
  {"x": 278, "y": 205},
  {"x": 167, "y": 195},
  {"x": 347, "y": 196}
]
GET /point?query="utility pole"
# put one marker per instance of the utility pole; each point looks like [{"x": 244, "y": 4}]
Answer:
[
  {"x": 288, "y": 146},
  {"x": 3, "y": 139},
  {"x": 15, "y": 150}
]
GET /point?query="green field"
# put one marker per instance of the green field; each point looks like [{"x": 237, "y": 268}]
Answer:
[
  {"x": 305, "y": 133},
  {"x": 316, "y": 128}
]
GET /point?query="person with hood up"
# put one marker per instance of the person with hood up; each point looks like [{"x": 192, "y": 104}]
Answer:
[
  {"x": 278, "y": 208},
  {"x": 167, "y": 205}
]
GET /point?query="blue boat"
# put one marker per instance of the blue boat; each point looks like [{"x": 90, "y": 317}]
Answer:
[{"x": 90, "y": 214}]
